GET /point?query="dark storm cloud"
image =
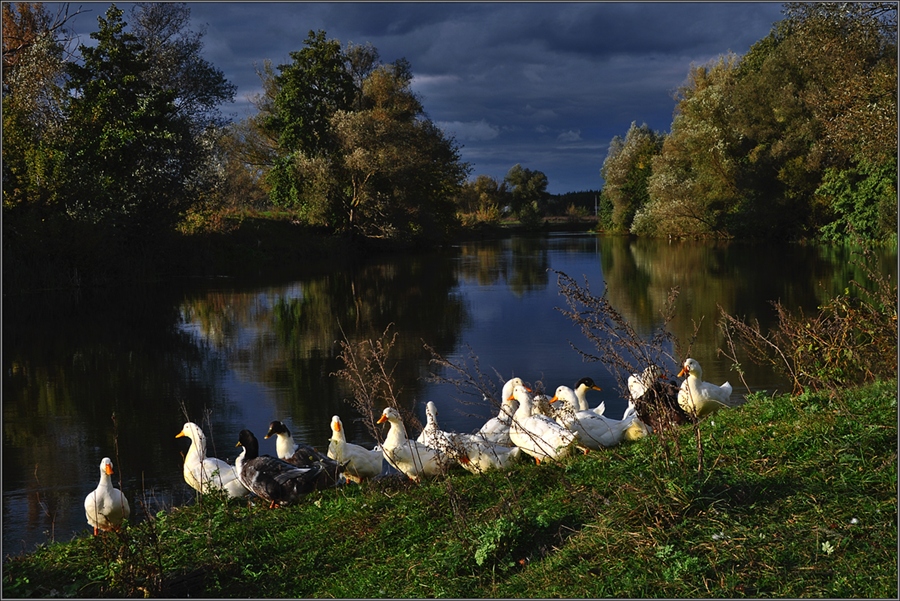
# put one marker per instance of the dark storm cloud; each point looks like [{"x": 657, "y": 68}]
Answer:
[{"x": 546, "y": 85}]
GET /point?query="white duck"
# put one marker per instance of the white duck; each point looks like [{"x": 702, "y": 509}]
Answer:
[
  {"x": 537, "y": 435},
  {"x": 432, "y": 435},
  {"x": 358, "y": 461},
  {"x": 581, "y": 388},
  {"x": 597, "y": 431},
  {"x": 697, "y": 397},
  {"x": 409, "y": 456},
  {"x": 639, "y": 383},
  {"x": 496, "y": 429},
  {"x": 481, "y": 456},
  {"x": 106, "y": 507},
  {"x": 204, "y": 473}
]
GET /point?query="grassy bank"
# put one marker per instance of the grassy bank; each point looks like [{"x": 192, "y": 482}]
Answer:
[{"x": 797, "y": 498}]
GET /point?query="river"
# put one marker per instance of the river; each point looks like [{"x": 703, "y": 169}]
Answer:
[{"x": 117, "y": 372}]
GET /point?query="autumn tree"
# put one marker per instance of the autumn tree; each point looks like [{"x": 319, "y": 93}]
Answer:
[
  {"x": 354, "y": 149},
  {"x": 528, "y": 193},
  {"x": 626, "y": 172}
]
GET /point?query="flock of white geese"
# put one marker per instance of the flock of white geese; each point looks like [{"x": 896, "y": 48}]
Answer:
[{"x": 540, "y": 427}]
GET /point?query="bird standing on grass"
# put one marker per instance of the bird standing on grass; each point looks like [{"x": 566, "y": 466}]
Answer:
[
  {"x": 274, "y": 480},
  {"x": 701, "y": 398},
  {"x": 106, "y": 506}
]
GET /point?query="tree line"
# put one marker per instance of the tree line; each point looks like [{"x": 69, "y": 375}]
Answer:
[
  {"x": 795, "y": 139},
  {"x": 111, "y": 147}
]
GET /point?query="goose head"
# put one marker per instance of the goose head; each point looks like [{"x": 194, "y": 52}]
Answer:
[
  {"x": 692, "y": 367},
  {"x": 277, "y": 427},
  {"x": 567, "y": 396},
  {"x": 337, "y": 429},
  {"x": 247, "y": 440},
  {"x": 106, "y": 467},
  {"x": 586, "y": 384}
]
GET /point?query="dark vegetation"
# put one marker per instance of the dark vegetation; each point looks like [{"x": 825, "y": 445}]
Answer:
[{"x": 117, "y": 165}]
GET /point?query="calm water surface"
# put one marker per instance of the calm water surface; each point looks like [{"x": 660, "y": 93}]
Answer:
[{"x": 115, "y": 372}]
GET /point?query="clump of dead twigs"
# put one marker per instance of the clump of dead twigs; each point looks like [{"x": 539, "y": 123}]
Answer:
[{"x": 851, "y": 340}]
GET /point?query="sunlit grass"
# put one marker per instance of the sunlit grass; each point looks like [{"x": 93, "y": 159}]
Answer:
[{"x": 797, "y": 498}]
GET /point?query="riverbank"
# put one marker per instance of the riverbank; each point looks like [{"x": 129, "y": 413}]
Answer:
[
  {"x": 64, "y": 257},
  {"x": 796, "y": 498}
]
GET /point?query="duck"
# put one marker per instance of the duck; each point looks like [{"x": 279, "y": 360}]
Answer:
[
  {"x": 481, "y": 456},
  {"x": 581, "y": 388},
  {"x": 204, "y": 473},
  {"x": 359, "y": 462},
  {"x": 409, "y": 456},
  {"x": 597, "y": 431},
  {"x": 496, "y": 429},
  {"x": 106, "y": 506},
  {"x": 537, "y": 435},
  {"x": 300, "y": 454},
  {"x": 658, "y": 406},
  {"x": 639, "y": 383},
  {"x": 273, "y": 480},
  {"x": 432, "y": 436},
  {"x": 697, "y": 397}
]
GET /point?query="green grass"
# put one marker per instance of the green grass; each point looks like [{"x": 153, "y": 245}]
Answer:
[{"x": 797, "y": 498}]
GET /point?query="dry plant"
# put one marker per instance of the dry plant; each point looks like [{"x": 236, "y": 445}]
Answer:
[
  {"x": 623, "y": 351},
  {"x": 851, "y": 340},
  {"x": 369, "y": 371}
]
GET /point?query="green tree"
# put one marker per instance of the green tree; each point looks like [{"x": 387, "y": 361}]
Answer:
[
  {"x": 358, "y": 159},
  {"x": 528, "y": 193},
  {"x": 626, "y": 171},
  {"x": 126, "y": 156},
  {"x": 693, "y": 186}
]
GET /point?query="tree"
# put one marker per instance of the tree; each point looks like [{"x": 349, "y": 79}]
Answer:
[
  {"x": 175, "y": 62},
  {"x": 127, "y": 155},
  {"x": 353, "y": 148},
  {"x": 626, "y": 172},
  {"x": 528, "y": 193},
  {"x": 34, "y": 45}
]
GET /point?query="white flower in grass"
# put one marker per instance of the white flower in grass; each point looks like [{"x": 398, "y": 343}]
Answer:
[{"x": 827, "y": 547}]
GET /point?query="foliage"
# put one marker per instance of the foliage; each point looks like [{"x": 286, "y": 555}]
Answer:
[
  {"x": 778, "y": 143},
  {"x": 528, "y": 194},
  {"x": 863, "y": 200},
  {"x": 852, "y": 339},
  {"x": 103, "y": 154},
  {"x": 626, "y": 170},
  {"x": 354, "y": 150}
]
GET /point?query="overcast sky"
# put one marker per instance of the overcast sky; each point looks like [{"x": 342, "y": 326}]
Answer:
[{"x": 544, "y": 84}]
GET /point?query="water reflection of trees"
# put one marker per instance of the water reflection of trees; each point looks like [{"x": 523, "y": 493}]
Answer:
[
  {"x": 287, "y": 337},
  {"x": 69, "y": 365},
  {"x": 521, "y": 262},
  {"x": 739, "y": 277}
]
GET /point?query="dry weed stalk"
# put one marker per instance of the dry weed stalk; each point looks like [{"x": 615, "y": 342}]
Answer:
[
  {"x": 622, "y": 350},
  {"x": 851, "y": 340}
]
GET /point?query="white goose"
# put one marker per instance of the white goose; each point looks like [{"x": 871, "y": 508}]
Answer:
[
  {"x": 581, "y": 388},
  {"x": 106, "y": 507},
  {"x": 204, "y": 473},
  {"x": 432, "y": 435},
  {"x": 410, "y": 457},
  {"x": 697, "y": 397},
  {"x": 496, "y": 429},
  {"x": 481, "y": 456},
  {"x": 359, "y": 462},
  {"x": 597, "y": 431},
  {"x": 639, "y": 383},
  {"x": 537, "y": 435}
]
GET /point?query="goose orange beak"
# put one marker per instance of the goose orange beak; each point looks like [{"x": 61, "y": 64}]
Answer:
[
  {"x": 108, "y": 469},
  {"x": 381, "y": 419},
  {"x": 682, "y": 372},
  {"x": 180, "y": 434}
]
